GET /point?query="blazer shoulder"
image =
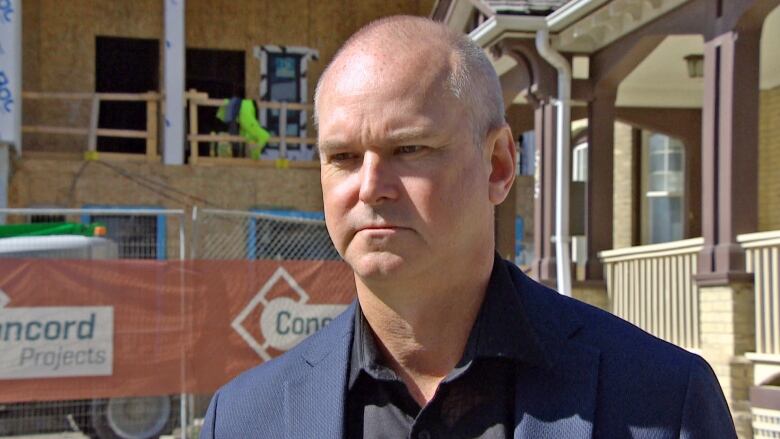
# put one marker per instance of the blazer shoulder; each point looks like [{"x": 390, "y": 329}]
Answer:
[
  {"x": 678, "y": 391},
  {"x": 255, "y": 396},
  {"x": 588, "y": 324},
  {"x": 625, "y": 349},
  {"x": 299, "y": 358}
]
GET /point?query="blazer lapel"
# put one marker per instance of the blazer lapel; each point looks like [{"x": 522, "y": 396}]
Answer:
[
  {"x": 558, "y": 401},
  {"x": 314, "y": 399},
  {"x": 557, "y": 398}
]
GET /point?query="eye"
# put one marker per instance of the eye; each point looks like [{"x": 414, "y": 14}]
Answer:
[
  {"x": 409, "y": 149},
  {"x": 342, "y": 157}
]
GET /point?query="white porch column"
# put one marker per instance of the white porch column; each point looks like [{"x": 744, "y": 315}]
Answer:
[
  {"x": 173, "y": 112},
  {"x": 10, "y": 90}
]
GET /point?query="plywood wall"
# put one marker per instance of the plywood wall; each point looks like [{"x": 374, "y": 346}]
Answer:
[
  {"x": 74, "y": 183},
  {"x": 59, "y": 39}
]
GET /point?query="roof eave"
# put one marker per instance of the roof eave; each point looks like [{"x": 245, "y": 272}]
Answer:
[{"x": 497, "y": 26}]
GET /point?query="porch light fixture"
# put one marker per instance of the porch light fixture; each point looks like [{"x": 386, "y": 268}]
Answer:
[{"x": 695, "y": 63}]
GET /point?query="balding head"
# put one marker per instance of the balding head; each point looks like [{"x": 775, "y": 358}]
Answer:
[{"x": 433, "y": 55}]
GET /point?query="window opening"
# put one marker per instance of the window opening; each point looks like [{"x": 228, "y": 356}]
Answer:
[
  {"x": 125, "y": 65},
  {"x": 136, "y": 236},
  {"x": 283, "y": 78},
  {"x": 221, "y": 74},
  {"x": 526, "y": 153},
  {"x": 579, "y": 171},
  {"x": 663, "y": 187},
  {"x": 579, "y": 177}
]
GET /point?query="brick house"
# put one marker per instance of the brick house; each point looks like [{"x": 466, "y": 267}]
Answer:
[{"x": 674, "y": 106}]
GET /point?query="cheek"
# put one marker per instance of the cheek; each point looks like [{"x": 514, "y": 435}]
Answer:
[
  {"x": 457, "y": 198},
  {"x": 338, "y": 195},
  {"x": 338, "y": 199},
  {"x": 440, "y": 199}
]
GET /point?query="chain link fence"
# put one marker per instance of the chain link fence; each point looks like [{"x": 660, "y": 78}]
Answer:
[
  {"x": 219, "y": 234},
  {"x": 227, "y": 234},
  {"x": 92, "y": 234},
  {"x": 104, "y": 233}
]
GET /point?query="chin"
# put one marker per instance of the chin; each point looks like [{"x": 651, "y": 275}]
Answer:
[{"x": 377, "y": 265}]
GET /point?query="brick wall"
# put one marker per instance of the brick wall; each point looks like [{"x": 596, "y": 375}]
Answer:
[
  {"x": 623, "y": 202},
  {"x": 769, "y": 160},
  {"x": 727, "y": 333}
]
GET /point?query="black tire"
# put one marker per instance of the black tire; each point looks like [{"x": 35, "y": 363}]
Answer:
[{"x": 133, "y": 417}]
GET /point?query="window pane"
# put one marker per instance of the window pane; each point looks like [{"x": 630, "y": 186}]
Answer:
[
  {"x": 658, "y": 143},
  {"x": 664, "y": 186},
  {"x": 676, "y": 161},
  {"x": 657, "y": 162},
  {"x": 674, "y": 182},
  {"x": 666, "y": 219},
  {"x": 283, "y": 80},
  {"x": 657, "y": 182}
]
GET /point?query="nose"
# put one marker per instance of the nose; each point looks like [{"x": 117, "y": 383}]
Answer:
[{"x": 378, "y": 182}]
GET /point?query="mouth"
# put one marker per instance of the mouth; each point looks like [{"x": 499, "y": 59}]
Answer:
[{"x": 380, "y": 228}]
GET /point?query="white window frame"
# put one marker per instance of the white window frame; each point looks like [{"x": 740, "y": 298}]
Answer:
[
  {"x": 306, "y": 53},
  {"x": 645, "y": 181}
]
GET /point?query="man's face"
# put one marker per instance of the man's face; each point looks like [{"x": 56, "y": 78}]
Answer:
[{"x": 405, "y": 189}]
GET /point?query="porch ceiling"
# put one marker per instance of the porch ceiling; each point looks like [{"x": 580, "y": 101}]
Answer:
[{"x": 661, "y": 80}]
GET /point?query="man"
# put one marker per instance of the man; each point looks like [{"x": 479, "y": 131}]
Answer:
[{"x": 446, "y": 339}]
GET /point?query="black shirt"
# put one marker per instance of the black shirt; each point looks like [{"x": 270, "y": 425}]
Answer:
[{"x": 475, "y": 400}]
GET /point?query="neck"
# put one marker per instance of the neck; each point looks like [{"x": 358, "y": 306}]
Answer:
[{"x": 422, "y": 327}]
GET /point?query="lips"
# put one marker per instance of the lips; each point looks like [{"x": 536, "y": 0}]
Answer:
[{"x": 379, "y": 227}]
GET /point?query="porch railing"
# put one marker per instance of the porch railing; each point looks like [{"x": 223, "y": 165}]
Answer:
[
  {"x": 198, "y": 99},
  {"x": 93, "y": 131},
  {"x": 653, "y": 287},
  {"x": 763, "y": 259}
]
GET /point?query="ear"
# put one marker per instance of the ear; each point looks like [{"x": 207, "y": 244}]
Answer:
[{"x": 503, "y": 162}]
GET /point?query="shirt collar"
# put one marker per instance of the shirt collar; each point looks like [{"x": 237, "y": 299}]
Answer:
[{"x": 501, "y": 330}]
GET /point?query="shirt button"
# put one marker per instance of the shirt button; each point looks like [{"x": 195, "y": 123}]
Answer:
[{"x": 424, "y": 435}]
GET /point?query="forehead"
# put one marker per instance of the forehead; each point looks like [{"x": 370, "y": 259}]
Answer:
[{"x": 392, "y": 85}]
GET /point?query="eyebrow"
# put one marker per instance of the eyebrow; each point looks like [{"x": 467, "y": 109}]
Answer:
[
  {"x": 330, "y": 145},
  {"x": 396, "y": 137},
  {"x": 406, "y": 134}
]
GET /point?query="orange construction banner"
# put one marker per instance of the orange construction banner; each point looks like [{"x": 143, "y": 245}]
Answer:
[{"x": 74, "y": 329}]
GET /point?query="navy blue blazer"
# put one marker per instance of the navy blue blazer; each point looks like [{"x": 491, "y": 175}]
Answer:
[{"x": 605, "y": 378}]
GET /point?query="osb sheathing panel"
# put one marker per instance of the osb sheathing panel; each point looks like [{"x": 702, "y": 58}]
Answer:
[
  {"x": 66, "y": 34},
  {"x": 73, "y": 183},
  {"x": 31, "y": 80},
  {"x": 68, "y": 31},
  {"x": 31, "y": 26},
  {"x": 65, "y": 60}
]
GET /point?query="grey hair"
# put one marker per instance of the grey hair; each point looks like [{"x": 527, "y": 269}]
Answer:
[{"x": 472, "y": 78}]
